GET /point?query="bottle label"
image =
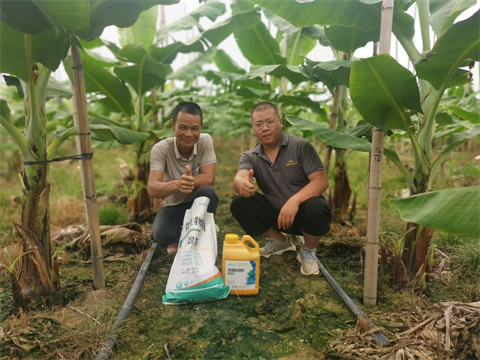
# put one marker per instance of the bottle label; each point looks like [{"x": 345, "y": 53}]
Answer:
[{"x": 241, "y": 275}]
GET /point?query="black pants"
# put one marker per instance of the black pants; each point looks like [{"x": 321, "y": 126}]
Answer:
[
  {"x": 256, "y": 216},
  {"x": 169, "y": 219}
]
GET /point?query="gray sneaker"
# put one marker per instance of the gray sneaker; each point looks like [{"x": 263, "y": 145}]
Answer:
[
  {"x": 307, "y": 258},
  {"x": 276, "y": 247}
]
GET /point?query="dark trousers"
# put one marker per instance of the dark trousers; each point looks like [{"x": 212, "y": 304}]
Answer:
[
  {"x": 169, "y": 219},
  {"x": 256, "y": 216}
]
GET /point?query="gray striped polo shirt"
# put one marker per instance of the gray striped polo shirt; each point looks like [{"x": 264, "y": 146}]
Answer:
[{"x": 165, "y": 157}]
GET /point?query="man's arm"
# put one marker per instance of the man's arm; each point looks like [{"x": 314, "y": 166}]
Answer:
[
  {"x": 243, "y": 183},
  {"x": 318, "y": 183},
  {"x": 205, "y": 177},
  {"x": 157, "y": 188}
]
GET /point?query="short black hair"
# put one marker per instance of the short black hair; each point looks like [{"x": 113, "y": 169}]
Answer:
[
  {"x": 264, "y": 105},
  {"x": 189, "y": 108}
]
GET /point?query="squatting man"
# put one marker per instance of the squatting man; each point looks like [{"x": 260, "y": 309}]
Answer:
[
  {"x": 182, "y": 168},
  {"x": 292, "y": 178}
]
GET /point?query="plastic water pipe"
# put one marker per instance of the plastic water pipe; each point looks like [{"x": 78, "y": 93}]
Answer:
[
  {"x": 106, "y": 349},
  {"x": 378, "y": 336}
]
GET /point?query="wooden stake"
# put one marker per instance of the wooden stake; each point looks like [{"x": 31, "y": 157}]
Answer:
[
  {"x": 84, "y": 146},
  {"x": 375, "y": 186}
]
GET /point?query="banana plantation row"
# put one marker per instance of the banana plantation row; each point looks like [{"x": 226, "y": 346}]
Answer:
[{"x": 338, "y": 102}]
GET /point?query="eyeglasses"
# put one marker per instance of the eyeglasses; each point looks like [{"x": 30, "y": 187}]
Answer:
[{"x": 259, "y": 124}]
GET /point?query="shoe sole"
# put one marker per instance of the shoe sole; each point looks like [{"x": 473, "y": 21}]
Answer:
[
  {"x": 301, "y": 269},
  {"x": 280, "y": 252}
]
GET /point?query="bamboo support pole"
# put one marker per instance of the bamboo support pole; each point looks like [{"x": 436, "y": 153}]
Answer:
[
  {"x": 84, "y": 146},
  {"x": 375, "y": 185}
]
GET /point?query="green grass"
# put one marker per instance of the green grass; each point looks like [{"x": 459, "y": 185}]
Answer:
[{"x": 113, "y": 214}]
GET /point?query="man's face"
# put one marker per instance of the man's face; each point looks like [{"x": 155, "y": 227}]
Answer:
[
  {"x": 267, "y": 127},
  {"x": 187, "y": 129}
]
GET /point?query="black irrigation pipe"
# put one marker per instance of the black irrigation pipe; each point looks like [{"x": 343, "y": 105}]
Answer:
[
  {"x": 380, "y": 339},
  {"x": 107, "y": 347}
]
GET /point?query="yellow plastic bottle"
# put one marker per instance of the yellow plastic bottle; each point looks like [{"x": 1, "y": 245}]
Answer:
[{"x": 241, "y": 265}]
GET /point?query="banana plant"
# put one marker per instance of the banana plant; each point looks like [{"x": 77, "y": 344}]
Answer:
[
  {"x": 35, "y": 39},
  {"x": 142, "y": 65},
  {"x": 396, "y": 99},
  {"x": 391, "y": 94}
]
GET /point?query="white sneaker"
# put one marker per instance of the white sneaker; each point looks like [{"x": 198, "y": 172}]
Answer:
[
  {"x": 301, "y": 240},
  {"x": 276, "y": 247},
  {"x": 308, "y": 259}
]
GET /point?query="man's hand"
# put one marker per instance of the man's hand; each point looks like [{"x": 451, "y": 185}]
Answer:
[
  {"x": 287, "y": 214},
  {"x": 158, "y": 202},
  {"x": 186, "y": 181},
  {"x": 247, "y": 188}
]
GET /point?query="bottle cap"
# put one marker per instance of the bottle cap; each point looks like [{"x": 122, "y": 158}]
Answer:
[{"x": 232, "y": 239}]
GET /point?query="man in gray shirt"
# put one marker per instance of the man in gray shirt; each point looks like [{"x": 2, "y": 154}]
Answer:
[
  {"x": 182, "y": 168},
  {"x": 292, "y": 178}
]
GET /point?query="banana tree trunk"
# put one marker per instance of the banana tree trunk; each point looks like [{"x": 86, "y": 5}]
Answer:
[
  {"x": 342, "y": 190},
  {"x": 140, "y": 204},
  {"x": 36, "y": 273},
  {"x": 415, "y": 255}
]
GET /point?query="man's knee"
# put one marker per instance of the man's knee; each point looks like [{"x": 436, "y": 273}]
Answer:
[
  {"x": 317, "y": 216},
  {"x": 206, "y": 190},
  {"x": 239, "y": 205}
]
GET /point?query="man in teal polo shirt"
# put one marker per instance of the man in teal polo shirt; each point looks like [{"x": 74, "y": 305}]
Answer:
[{"x": 292, "y": 178}]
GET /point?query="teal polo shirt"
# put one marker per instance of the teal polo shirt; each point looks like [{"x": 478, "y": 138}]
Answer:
[{"x": 296, "y": 160}]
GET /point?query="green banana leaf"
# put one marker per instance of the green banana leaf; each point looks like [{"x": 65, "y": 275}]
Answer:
[
  {"x": 349, "y": 39},
  {"x": 331, "y": 137},
  {"x": 280, "y": 23},
  {"x": 454, "y": 142},
  {"x": 304, "y": 102},
  {"x": 471, "y": 116},
  {"x": 294, "y": 74},
  {"x": 352, "y": 13},
  {"x": 219, "y": 32},
  {"x": 119, "y": 13},
  {"x": 251, "y": 93},
  {"x": 104, "y": 132},
  {"x": 99, "y": 80},
  {"x": 218, "y": 77},
  {"x": 301, "y": 42},
  {"x": 454, "y": 210},
  {"x": 395, "y": 159},
  {"x": 33, "y": 17},
  {"x": 443, "y": 118},
  {"x": 444, "y": 12},
  {"x": 194, "y": 68},
  {"x": 142, "y": 32},
  {"x": 226, "y": 64},
  {"x": 55, "y": 89},
  {"x": 331, "y": 73},
  {"x": 361, "y": 14},
  {"x": 4, "y": 110},
  {"x": 258, "y": 46},
  {"x": 382, "y": 91},
  {"x": 459, "y": 44},
  {"x": 167, "y": 54},
  {"x": 47, "y": 48},
  {"x": 146, "y": 74},
  {"x": 211, "y": 10}
]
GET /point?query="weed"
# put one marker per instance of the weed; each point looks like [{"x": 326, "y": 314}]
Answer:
[
  {"x": 111, "y": 214},
  {"x": 468, "y": 257}
]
